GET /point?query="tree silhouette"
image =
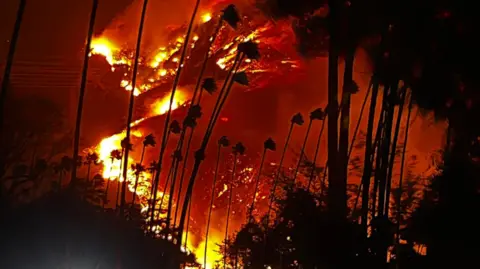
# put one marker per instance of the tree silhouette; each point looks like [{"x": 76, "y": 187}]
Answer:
[{"x": 83, "y": 85}]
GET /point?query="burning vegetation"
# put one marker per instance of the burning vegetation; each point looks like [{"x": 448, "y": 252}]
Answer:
[{"x": 171, "y": 185}]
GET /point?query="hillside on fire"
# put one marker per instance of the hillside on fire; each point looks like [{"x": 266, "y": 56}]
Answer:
[{"x": 239, "y": 134}]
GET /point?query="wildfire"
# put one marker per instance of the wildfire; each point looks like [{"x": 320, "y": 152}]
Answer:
[
  {"x": 206, "y": 17},
  {"x": 102, "y": 46},
  {"x": 158, "y": 67},
  {"x": 161, "y": 106}
]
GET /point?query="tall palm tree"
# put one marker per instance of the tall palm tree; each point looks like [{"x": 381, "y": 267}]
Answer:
[
  {"x": 223, "y": 142},
  {"x": 125, "y": 145},
  {"x": 163, "y": 145},
  {"x": 349, "y": 87},
  {"x": 317, "y": 114},
  {"x": 229, "y": 15},
  {"x": 398, "y": 202},
  {"x": 152, "y": 168},
  {"x": 269, "y": 144},
  {"x": 393, "y": 152},
  {"x": 367, "y": 170},
  {"x": 392, "y": 96},
  {"x": 321, "y": 116},
  {"x": 336, "y": 200},
  {"x": 238, "y": 149},
  {"x": 62, "y": 168},
  {"x": 83, "y": 85},
  {"x": 175, "y": 129},
  {"x": 10, "y": 57},
  {"x": 250, "y": 51},
  {"x": 148, "y": 141},
  {"x": 92, "y": 158},
  {"x": 190, "y": 122},
  {"x": 138, "y": 170},
  {"x": 130, "y": 107},
  {"x": 297, "y": 119},
  {"x": 114, "y": 155}
]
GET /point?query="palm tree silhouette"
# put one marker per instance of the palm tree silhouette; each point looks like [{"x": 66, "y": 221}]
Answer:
[
  {"x": 62, "y": 168},
  {"x": 222, "y": 142},
  {"x": 175, "y": 129},
  {"x": 137, "y": 169},
  {"x": 177, "y": 158},
  {"x": 238, "y": 149},
  {"x": 125, "y": 145},
  {"x": 251, "y": 52},
  {"x": 230, "y": 15},
  {"x": 400, "y": 182},
  {"x": 92, "y": 158},
  {"x": 391, "y": 162},
  {"x": 269, "y": 144},
  {"x": 189, "y": 122},
  {"x": 130, "y": 107},
  {"x": 297, "y": 119},
  {"x": 169, "y": 112},
  {"x": 148, "y": 141},
  {"x": 319, "y": 114},
  {"x": 114, "y": 155},
  {"x": 83, "y": 85},
  {"x": 369, "y": 150},
  {"x": 10, "y": 57}
]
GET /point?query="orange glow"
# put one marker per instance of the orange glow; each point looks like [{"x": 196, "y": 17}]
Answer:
[
  {"x": 102, "y": 46},
  {"x": 206, "y": 17},
  {"x": 161, "y": 106}
]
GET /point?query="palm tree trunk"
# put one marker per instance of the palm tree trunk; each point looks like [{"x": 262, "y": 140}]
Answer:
[
  {"x": 391, "y": 162},
  {"x": 399, "y": 213},
  {"x": 174, "y": 88},
  {"x": 130, "y": 107},
  {"x": 386, "y": 148},
  {"x": 88, "y": 171},
  {"x": 172, "y": 192},
  {"x": 211, "y": 206},
  {"x": 302, "y": 152},
  {"x": 174, "y": 176},
  {"x": 275, "y": 180},
  {"x": 136, "y": 178},
  {"x": 336, "y": 200},
  {"x": 108, "y": 185},
  {"x": 11, "y": 54},
  {"x": 204, "y": 64},
  {"x": 317, "y": 148},
  {"x": 252, "y": 207},
  {"x": 182, "y": 176},
  {"x": 230, "y": 198},
  {"x": 165, "y": 189},
  {"x": 367, "y": 172},
  {"x": 83, "y": 85},
  {"x": 345, "y": 118},
  {"x": 380, "y": 148},
  {"x": 198, "y": 90},
  {"x": 118, "y": 182},
  {"x": 199, "y": 155},
  {"x": 154, "y": 188},
  {"x": 188, "y": 223},
  {"x": 227, "y": 85}
]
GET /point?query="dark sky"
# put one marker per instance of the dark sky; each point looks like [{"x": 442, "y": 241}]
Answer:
[{"x": 53, "y": 28}]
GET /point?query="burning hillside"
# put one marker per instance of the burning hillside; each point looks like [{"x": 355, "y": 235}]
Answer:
[{"x": 157, "y": 69}]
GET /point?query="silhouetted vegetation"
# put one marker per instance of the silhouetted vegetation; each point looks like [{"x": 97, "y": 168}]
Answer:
[{"x": 423, "y": 57}]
